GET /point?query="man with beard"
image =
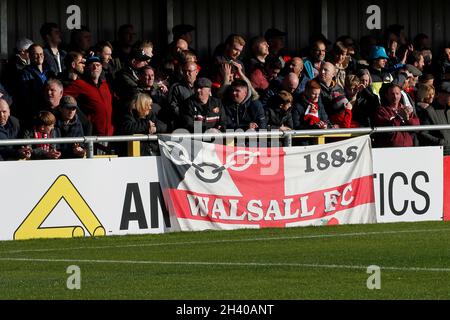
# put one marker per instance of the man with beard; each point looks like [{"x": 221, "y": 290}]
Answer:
[
  {"x": 74, "y": 63},
  {"x": 94, "y": 97}
]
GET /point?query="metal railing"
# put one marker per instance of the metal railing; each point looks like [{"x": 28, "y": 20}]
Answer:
[{"x": 286, "y": 135}]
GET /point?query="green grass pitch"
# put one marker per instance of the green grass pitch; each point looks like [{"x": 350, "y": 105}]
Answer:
[{"x": 292, "y": 263}]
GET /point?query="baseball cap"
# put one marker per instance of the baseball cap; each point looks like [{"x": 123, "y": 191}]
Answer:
[
  {"x": 203, "y": 83},
  {"x": 68, "y": 102},
  {"x": 139, "y": 54},
  {"x": 339, "y": 102},
  {"x": 23, "y": 44},
  {"x": 415, "y": 72},
  {"x": 92, "y": 59}
]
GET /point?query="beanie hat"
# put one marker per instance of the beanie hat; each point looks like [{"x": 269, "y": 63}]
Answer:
[{"x": 339, "y": 102}]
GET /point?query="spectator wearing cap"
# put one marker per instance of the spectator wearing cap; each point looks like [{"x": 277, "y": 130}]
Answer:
[
  {"x": 438, "y": 113},
  {"x": 276, "y": 40},
  {"x": 16, "y": 63},
  {"x": 342, "y": 116},
  {"x": 378, "y": 60},
  {"x": 10, "y": 129},
  {"x": 202, "y": 111},
  {"x": 140, "y": 119},
  {"x": 412, "y": 75},
  {"x": 54, "y": 56},
  {"x": 126, "y": 83},
  {"x": 403, "y": 80},
  {"x": 69, "y": 125},
  {"x": 94, "y": 97},
  {"x": 22, "y": 57},
  {"x": 313, "y": 63},
  {"x": 393, "y": 113}
]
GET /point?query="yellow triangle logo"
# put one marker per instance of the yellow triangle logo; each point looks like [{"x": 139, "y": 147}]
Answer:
[{"x": 62, "y": 188}]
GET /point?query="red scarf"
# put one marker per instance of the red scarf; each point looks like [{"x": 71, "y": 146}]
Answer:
[{"x": 40, "y": 135}]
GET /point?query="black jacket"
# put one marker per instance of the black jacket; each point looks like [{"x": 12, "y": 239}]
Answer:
[
  {"x": 133, "y": 124},
  {"x": 277, "y": 117},
  {"x": 211, "y": 115},
  {"x": 434, "y": 115},
  {"x": 9, "y": 131}
]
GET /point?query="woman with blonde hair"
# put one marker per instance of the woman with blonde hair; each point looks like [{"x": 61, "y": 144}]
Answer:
[
  {"x": 141, "y": 120},
  {"x": 340, "y": 61},
  {"x": 428, "y": 116}
]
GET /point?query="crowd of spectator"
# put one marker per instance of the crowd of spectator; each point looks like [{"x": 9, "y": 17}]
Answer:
[{"x": 49, "y": 89}]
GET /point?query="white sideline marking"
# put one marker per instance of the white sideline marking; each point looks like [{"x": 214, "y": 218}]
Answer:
[
  {"x": 230, "y": 264},
  {"x": 233, "y": 240}
]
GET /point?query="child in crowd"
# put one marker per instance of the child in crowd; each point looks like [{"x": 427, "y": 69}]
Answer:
[{"x": 44, "y": 128}]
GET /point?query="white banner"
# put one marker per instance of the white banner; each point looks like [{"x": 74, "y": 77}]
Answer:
[
  {"x": 211, "y": 186},
  {"x": 118, "y": 196},
  {"x": 66, "y": 198},
  {"x": 408, "y": 184}
]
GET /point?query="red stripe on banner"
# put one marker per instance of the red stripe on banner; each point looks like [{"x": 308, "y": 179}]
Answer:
[
  {"x": 447, "y": 188},
  {"x": 269, "y": 209}
]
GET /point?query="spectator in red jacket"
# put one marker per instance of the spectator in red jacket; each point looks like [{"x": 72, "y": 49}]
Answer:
[
  {"x": 94, "y": 97},
  {"x": 393, "y": 113}
]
